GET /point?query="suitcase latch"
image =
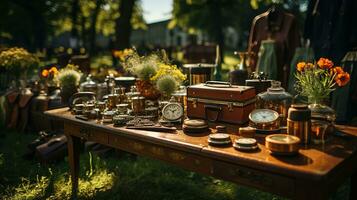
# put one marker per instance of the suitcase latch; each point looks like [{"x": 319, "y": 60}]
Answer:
[{"x": 230, "y": 107}]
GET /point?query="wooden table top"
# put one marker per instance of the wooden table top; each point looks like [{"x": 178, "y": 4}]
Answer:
[{"x": 313, "y": 162}]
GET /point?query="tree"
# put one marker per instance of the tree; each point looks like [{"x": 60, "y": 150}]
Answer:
[
  {"x": 93, "y": 25},
  {"x": 209, "y": 16},
  {"x": 123, "y": 24}
]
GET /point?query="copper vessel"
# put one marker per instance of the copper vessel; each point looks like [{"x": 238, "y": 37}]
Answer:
[
  {"x": 138, "y": 104},
  {"x": 299, "y": 122}
]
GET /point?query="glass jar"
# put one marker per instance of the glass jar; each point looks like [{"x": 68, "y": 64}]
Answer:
[
  {"x": 322, "y": 122},
  {"x": 275, "y": 98},
  {"x": 89, "y": 85}
]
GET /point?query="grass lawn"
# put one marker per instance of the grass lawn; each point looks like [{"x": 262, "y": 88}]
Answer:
[{"x": 112, "y": 177}]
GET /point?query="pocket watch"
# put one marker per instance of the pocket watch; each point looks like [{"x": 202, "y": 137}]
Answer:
[
  {"x": 172, "y": 112},
  {"x": 264, "y": 119}
]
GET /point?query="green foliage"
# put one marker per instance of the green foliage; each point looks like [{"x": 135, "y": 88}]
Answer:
[
  {"x": 315, "y": 83},
  {"x": 18, "y": 59},
  {"x": 146, "y": 70},
  {"x": 167, "y": 84},
  {"x": 144, "y": 67},
  {"x": 34, "y": 23},
  {"x": 69, "y": 77}
]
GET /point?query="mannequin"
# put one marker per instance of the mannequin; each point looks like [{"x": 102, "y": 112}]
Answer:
[{"x": 280, "y": 26}]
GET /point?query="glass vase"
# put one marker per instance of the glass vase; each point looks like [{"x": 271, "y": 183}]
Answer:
[{"x": 322, "y": 120}]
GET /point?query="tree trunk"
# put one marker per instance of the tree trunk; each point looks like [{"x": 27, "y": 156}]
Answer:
[
  {"x": 218, "y": 34},
  {"x": 74, "y": 19},
  {"x": 123, "y": 24},
  {"x": 217, "y": 26},
  {"x": 93, "y": 25}
]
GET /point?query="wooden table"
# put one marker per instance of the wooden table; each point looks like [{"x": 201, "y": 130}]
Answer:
[{"x": 313, "y": 174}]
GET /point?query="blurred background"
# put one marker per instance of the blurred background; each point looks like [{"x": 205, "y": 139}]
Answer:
[{"x": 96, "y": 27}]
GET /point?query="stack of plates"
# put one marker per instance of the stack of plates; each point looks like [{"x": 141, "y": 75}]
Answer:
[
  {"x": 245, "y": 144},
  {"x": 219, "y": 139},
  {"x": 195, "y": 126}
]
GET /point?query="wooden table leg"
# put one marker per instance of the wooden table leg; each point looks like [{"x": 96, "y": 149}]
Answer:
[
  {"x": 73, "y": 158},
  {"x": 353, "y": 186}
]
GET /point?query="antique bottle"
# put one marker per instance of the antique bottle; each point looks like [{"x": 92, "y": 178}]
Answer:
[
  {"x": 239, "y": 75},
  {"x": 277, "y": 99}
]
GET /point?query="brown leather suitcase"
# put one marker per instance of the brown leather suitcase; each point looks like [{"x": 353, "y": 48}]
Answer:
[
  {"x": 54, "y": 149},
  {"x": 220, "y": 102}
]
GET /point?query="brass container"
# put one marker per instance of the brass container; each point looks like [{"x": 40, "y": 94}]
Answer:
[
  {"x": 299, "y": 122},
  {"x": 247, "y": 132},
  {"x": 282, "y": 144},
  {"x": 112, "y": 101},
  {"x": 199, "y": 73},
  {"x": 101, "y": 106},
  {"x": 138, "y": 104},
  {"x": 108, "y": 116}
]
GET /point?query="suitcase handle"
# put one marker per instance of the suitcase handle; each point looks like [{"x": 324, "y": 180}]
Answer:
[
  {"x": 218, "y": 84},
  {"x": 213, "y": 108}
]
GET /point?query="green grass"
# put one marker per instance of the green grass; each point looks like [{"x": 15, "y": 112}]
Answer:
[
  {"x": 113, "y": 177},
  {"x": 106, "y": 178}
]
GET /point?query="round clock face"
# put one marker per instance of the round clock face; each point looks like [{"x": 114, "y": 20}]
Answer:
[
  {"x": 260, "y": 116},
  {"x": 172, "y": 111}
]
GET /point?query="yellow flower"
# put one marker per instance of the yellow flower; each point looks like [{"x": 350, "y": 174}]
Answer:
[
  {"x": 171, "y": 70},
  {"x": 44, "y": 73},
  {"x": 53, "y": 70}
]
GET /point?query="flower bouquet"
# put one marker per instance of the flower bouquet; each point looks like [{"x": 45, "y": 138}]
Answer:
[
  {"x": 68, "y": 79},
  {"x": 156, "y": 75},
  {"x": 316, "y": 81},
  {"x": 48, "y": 79},
  {"x": 15, "y": 62}
]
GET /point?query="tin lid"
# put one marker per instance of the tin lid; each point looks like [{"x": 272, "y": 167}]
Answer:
[
  {"x": 219, "y": 137},
  {"x": 89, "y": 83},
  {"x": 221, "y": 129},
  {"x": 246, "y": 142},
  {"x": 108, "y": 113},
  {"x": 194, "y": 122},
  {"x": 138, "y": 98},
  {"x": 122, "y": 105}
]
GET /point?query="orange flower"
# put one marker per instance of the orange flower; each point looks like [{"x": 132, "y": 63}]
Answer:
[
  {"x": 301, "y": 66},
  {"x": 325, "y": 63},
  {"x": 336, "y": 70},
  {"x": 309, "y": 65},
  {"x": 342, "y": 79},
  {"x": 44, "y": 73}
]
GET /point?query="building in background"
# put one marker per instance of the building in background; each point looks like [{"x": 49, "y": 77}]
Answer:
[{"x": 158, "y": 35}]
